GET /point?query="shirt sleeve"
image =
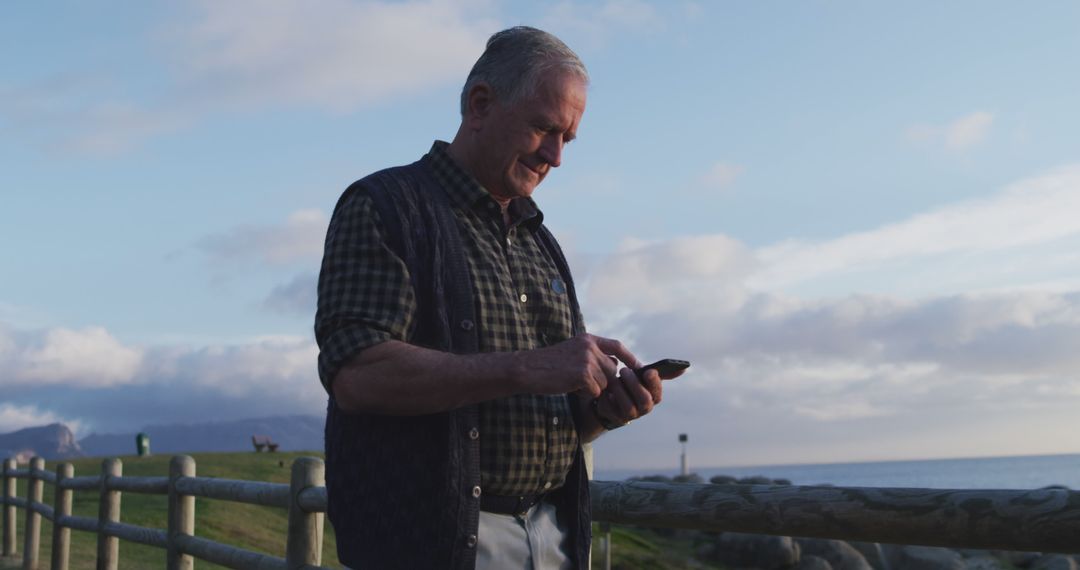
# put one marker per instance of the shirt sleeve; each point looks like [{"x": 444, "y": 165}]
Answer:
[{"x": 365, "y": 294}]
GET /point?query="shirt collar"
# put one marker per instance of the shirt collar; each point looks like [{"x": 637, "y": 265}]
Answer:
[{"x": 465, "y": 192}]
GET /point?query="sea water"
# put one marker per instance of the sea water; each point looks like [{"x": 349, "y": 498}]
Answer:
[{"x": 1024, "y": 472}]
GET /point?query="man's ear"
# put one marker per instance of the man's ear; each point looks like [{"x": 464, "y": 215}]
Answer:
[{"x": 478, "y": 104}]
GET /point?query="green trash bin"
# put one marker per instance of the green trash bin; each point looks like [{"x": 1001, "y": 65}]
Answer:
[{"x": 142, "y": 444}]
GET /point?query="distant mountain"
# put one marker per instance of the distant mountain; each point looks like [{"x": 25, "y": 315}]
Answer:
[
  {"x": 54, "y": 441},
  {"x": 292, "y": 433}
]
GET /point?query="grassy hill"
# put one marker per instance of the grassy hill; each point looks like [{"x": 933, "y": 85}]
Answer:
[{"x": 263, "y": 529}]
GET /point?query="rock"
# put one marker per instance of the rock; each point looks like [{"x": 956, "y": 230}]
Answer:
[
  {"x": 723, "y": 480},
  {"x": 755, "y": 550},
  {"x": 1016, "y": 558},
  {"x": 813, "y": 563},
  {"x": 755, "y": 480},
  {"x": 786, "y": 482},
  {"x": 1054, "y": 562},
  {"x": 839, "y": 554},
  {"x": 873, "y": 554},
  {"x": 985, "y": 562},
  {"x": 652, "y": 479},
  {"x": 924, "y": 558},
  {"x": 691, "y": 478}
]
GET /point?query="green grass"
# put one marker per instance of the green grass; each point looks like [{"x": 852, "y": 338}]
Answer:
[
  {"x": 636, "y": 548},
  {"x": 251, "y": 527}
]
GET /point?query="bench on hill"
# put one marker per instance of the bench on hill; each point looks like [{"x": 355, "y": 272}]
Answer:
[{"x": 263, "y": 442}]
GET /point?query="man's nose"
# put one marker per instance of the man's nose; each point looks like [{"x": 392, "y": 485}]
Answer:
[{"x": 551, "y": 150}]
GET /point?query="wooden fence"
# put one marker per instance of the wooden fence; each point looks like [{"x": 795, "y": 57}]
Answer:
[
  {"x": 1044, "y": 520},
  {"x": 304, "y": 497}
]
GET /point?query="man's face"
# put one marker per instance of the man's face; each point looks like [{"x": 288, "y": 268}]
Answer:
[{"x": 522, "y": 141}]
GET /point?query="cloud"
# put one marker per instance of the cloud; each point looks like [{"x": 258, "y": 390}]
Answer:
[
  {"x": 14, "y": 418},
  {"x": 1034, "y": 213},
  {"x": 957, "y": 135},
  {"x": 298, "y": 239},
  {"x": 89, "y": 378},
  {"x": 594, "y": 23},
  {"x": 333, "y": 54},
  {"x": 721, "y": 175},
  {"x": 212, "y": 58},
  {"x": 85, "y": 358},
  {"x": 298, "y": 296},
  {"x": 770, "y": 356}
]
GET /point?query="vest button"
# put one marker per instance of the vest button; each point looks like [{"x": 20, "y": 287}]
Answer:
[
  {"x": 467, "y": 325},
  {"x": 474, "y": 433},
  {"x": 471, "y": 541},
  {"x": 476, "y": 491}
]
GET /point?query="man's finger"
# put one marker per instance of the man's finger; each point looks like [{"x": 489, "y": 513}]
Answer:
[
  {"x": 613, "y": 347},
  {"x": 641, "y": 395}
]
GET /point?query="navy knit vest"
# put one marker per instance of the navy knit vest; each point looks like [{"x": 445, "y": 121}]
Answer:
[{"x": 400, "y": 487}]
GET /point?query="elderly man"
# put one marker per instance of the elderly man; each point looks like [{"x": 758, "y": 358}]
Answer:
[{"x": 461, "y": 380}]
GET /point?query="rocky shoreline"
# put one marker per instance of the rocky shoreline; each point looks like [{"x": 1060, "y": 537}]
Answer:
[{"x": 764, "y": 552}]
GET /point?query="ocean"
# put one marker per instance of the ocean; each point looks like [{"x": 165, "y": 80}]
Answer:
[{"x": 1023, "y": 472}]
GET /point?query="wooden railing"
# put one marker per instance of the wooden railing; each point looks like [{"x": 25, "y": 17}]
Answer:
[
  {"x": 1045, "y": 520},
  {"x": 304, "y": 497}
]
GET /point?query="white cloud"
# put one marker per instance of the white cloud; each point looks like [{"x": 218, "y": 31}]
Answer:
[
  {"x": 336, "y": 54},
  {"x": 87, "y": 377},
  {"x": 86, "y": 358},
  {"x": 298, "y": 239},
  {"x": 721, "y": 175},
  {"x": 769, "y": 353},
  {"x": 594, "y": 23},
  {"x": 1033, "y": 213},
  {"x": 298, "y": 296},
  {"x": 957, "y": 135},
  {"x": 248, "y": 55},
  {"x": 14, "y": 418}
]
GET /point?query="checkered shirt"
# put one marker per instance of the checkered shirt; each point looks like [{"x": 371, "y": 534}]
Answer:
[{"x": 527, "y": 442}]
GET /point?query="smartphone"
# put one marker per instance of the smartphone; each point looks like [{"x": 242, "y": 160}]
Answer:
[{"x": 665, "y": 367}]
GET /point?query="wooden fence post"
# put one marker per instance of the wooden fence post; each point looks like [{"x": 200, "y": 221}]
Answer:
[
  {"x": 34, "y": 490},
  {"x": 9, "y": 548},
  {"x": 304, "y": 546},
  {"x": 181, "y": 514},
  {"x": 108, "y": 547},
  {"x": 61, "y": 538}
]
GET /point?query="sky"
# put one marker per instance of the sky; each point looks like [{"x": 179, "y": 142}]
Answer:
[{"x": 860, "y": 221}]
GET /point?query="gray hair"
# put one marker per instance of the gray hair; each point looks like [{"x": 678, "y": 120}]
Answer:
[{"x": 516, "y": 59}]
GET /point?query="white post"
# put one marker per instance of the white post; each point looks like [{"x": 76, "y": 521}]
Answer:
[
  {"x": 305, "y": 540},
  {"x": 34, "y": 491},
  {"x": 181, "y": 514},
  {"x": 61, "y": 545},
  {"x": 108, "y": 553},
  {"x": 9, "y": 509}
]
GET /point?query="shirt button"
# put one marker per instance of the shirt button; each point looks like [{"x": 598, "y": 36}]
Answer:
[
  {"x": 467, "y": 325},
  {"x": 547, "y": 485},
  {"x": 474, "y": 433},
  {"x": 476, "y": 491},
  {"x": 524, "y": 297},
  {"x": 471, "y": 541},
  {"x": 555, "y": 421}
]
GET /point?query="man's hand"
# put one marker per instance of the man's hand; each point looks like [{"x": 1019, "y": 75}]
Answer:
[
  {"x": 584, "y": 364},
  {"x": 630, "y": 396}
]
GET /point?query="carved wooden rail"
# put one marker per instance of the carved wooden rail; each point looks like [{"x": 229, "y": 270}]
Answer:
[{"x": 304, "y": 497}]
